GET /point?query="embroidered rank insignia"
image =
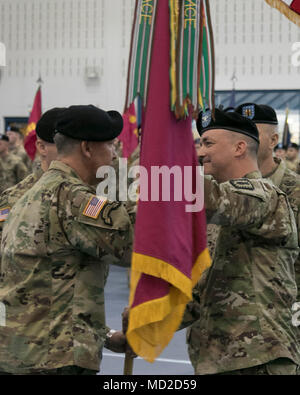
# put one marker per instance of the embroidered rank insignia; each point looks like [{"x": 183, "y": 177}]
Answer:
[
  {"x": 94, "y": 207},
  {"x": 4, "y": 213},
  {"x": 249, "y": 111},
  {"x": 206, "y": 118},
  {"x": 242, "y": 183}
]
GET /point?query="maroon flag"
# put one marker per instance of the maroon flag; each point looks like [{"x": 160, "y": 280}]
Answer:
[
  {"x": 129, "y": 135},
  {"x": 170, "y": 251},
  {"x": 30, "y": 135}
]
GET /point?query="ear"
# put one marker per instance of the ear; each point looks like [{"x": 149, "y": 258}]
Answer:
[
  {"x": 274, "y": 140},
  {"x": 41, "y": 148},
  {"x": 240, "y": 148},
  {"x": 86, "y": 149}
]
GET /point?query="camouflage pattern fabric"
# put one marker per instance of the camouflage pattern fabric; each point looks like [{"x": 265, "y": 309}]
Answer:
[
  {"x": 11, "y": 195},
  {"x": 289, "y": 183},
  {"x": 65, "y": 371},
  {"x": 20, "y": 152},
  {"x": 52, "y": 274},
  {"x": 241, "y": 308},
  {"x": 12, "y": 171},
  {"x": 292, "y": 164},
  {"x": 279, "y": 367},
  {"x": 212, "y": 233}
]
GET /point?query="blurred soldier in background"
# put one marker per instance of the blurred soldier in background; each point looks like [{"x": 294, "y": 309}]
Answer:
[
  {"x": 280, "y": 151},
  {"x": 16, "y": 145},
  {"x": 47, "y": 152},
  {"x": 13, "y": 170},
  {"x": 292, "y": 157}
]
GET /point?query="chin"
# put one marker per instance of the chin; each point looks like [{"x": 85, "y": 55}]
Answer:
[{"x": 207, "y": 169}]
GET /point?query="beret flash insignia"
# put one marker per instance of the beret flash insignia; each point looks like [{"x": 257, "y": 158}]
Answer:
[
  {"x": 206, "y": 118},
  {"x": 249, "y": 111}
]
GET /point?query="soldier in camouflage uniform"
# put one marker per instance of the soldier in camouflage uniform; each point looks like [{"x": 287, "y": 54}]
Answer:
[
  {"x": 47, "y": 152},
  {"x": 12, "y": 169},
  {"x": 292, "y": 157},
  {"x": 16, "y": 146},
  {"x": 54, "y": 239},
  {"x": 241, "y": 310},
  {"x": 274, "y": 168}
]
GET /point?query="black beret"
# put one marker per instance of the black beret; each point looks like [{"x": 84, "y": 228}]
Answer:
[
  {"x": 4, "y": 137},
  {"x": 280, "y": 146},
  {"x": 293, "y": 145},
  {"x": 258, "y": 113},
  {"x": 89, "y": 123},
  {"x": 227, "y": 120},
  {"x": 229, "y": 109},
  {"x": 46, "y": 125}
]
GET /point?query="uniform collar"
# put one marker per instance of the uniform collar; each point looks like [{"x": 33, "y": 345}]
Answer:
[
  {"x": 276, "y": 175},
  {"x": 58, "y": 165},
  {"x": 254, "y": 174}
]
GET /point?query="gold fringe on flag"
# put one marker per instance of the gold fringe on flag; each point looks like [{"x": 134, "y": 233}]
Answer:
[
  {"x": 282, "y": 7},
  {"x": 152, "y": 323}
]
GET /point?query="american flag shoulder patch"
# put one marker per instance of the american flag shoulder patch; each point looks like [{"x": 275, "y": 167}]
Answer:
[
  {"x": 4, "y": 213},
  {"x": 94, "y": 206}
]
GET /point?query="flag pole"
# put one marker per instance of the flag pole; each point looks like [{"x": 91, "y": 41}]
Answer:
[
  {"x": 128, "y": 365},
  {"x": 128, "y": 362}
]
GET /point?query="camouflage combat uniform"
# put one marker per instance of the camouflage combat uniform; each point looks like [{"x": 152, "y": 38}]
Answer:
[
  {"x": 52, "y": 276},
  {"x": 289, "y": 183},
  {"x": 11, "y": 195},
  {"x": 20, "y": 152},
  {"x": 292, "y": 164},
  {"x": 241, "y": 310},
  {"x": 12, "y": 171}
]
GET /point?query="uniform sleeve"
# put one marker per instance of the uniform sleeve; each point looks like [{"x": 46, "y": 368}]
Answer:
[
  {"x": 94, "y": 226},
  {"x": 4, "y": 211},
  {"x": 238, "y": 203},
  {"x": 21, "y": 172},
  {"x": 193, "y": 308}
]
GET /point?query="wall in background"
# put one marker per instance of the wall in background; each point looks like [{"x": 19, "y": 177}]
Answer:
[{"x": 81, "y": 49}]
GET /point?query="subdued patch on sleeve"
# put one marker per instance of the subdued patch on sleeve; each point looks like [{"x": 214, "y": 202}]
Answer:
[{"x": 242, "y": 183}]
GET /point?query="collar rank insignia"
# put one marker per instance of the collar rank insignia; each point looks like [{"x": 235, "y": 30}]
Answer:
[
  {"x": 249, "y": 111},
  {"x": 206, "y": 118},
  {"x": 4, "y": 213},
  {"x": 94, "y": 206},
  {"x": 242, "y": 183}
]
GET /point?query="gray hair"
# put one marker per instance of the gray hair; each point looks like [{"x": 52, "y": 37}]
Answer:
[
  {"x": 252, "y": 145},
  {"x": 65, "y": 145}
]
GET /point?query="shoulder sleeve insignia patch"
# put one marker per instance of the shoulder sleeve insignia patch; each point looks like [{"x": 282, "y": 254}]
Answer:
[
  {"x": 94, "y": 207},
  {"x": 242, "y": 183},
  {"x": 4, "y": 213},
  {"x": 106, "y": 213}
]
